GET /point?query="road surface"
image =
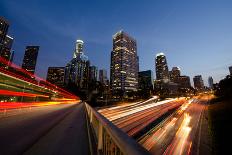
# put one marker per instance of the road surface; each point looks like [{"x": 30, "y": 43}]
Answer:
[
  {"x": 56, "y": 129},
  {"x": 132, "y": 118},
  {"x": 181, "y": 133}
]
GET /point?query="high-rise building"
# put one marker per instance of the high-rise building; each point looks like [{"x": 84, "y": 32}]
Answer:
[
  {"x": 183, "y": 81},
  {"x": 230, "y": 69},
  {"x": 6, "y": 48},
  {"x": 198, "y": 82},
  {"x": 124, "y": 63},
  {"x": 161, "y": 65},
  {"x": 78, "y": 49},
  {"x": 174, "y": 73},
  {"x": 4, "y": 25},
  {"x": 55, "y": 75},
  {"x": 12, "y": 56},
  {"x": 210, "y": 81},
  {"x": 77, "y": 70},
  {"x": 30, "y": 58},
  {"x": 93, "y": 73},
  {"x": 146, "y": 80},
  {"x": 103, "y": 76}
]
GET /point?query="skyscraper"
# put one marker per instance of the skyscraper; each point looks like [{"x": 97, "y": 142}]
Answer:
[
  {"x": 198, "y": 82},
  {"x": 183, "y": 81},
  {"x": 55, "y": 75},
  {"x": 30, "y": 58},
  {"x": 210, "y": 81},
  {"x": 4, "y": 25},
  {"x": 78, "y": 49},
  {"x": 124, "y": 63},
  {"x": 77, "y": 70},
  {"x": 103, "y": 76},
  {"x": 6, "y": 48},
  {"x": 146, "y": 80},
  {"x": 174, "y": 73},
  {"x": 93, "y": 73},
  {"x": 161, "y": 65}
]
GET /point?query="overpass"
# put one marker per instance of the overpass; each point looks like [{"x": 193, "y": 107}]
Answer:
[{"x": 37, "y": 117}]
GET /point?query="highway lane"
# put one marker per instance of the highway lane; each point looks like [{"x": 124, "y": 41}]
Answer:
[
  {"x": 179, "y": 133},
  {"x": 24, "y": 132},
  {"x": 132, "y": 118}
]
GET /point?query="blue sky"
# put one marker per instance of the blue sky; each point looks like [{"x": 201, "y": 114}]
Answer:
[{"x": 195, "y": 35}]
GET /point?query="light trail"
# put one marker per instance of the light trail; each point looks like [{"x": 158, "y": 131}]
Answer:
[
  {"x": 19, "y": 88},
  {"x": 134, "y": 117}
]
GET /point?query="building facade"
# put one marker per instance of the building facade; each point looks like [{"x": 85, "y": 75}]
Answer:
[
  {"x": 93, "y": 72},
  {"x": 174, "y": 73},
  {"x": 4, "y": 25},
  {"x": 103, "y": 76},
  {"x": 198, "y": 82},
  {"x": 183, "y": 81},
  {"x": 210, "y": 82},
  {"x": 6, "y": 48},
  {"x": 77, "y": 70},
  {"x": 161, "y": 67},
  {"x": 55, "y": 75},
  {"x": 146, "y": 80},
  {"x": 124, "y": 63},
  {"x": 30, "y": 58}
]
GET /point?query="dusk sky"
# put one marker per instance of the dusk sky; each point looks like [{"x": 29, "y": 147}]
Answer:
[{"x": 194, "y": 35}]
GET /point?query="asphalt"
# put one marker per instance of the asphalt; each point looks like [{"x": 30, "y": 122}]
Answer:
[
  {"x": 56, "y": 129},
  {"x": 173, "y": 138}
]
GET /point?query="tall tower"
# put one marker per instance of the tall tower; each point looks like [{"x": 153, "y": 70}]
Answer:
[
  {"x": 77, "y": 70},
  {"x": 210, "y": 81},
  {"x": 4, "y": 25},
  {"x": 30, "y": 58},
  {"x": 161, "y": 65},
  {"x": 198, "y": 82},
  {"x": 78, "y": 49},
  {"x": 124, "y": 63},
  {"x": 6, "y": 48},
  {"x": 103, "y": 76}
]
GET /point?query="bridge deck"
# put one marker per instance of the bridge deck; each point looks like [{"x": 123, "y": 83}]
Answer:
[{"x": 57, "y": 129}]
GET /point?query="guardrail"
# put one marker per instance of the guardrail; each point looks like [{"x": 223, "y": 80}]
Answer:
[{"x": 110, "y": 139}]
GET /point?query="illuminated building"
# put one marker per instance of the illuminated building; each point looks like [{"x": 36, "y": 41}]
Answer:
[
  {"x": 6, "y": 48},
  {"x": 161, "y": 65},
  {"x": 12, "y": 56},
  {"x": 93, "y": 73},
  {"x": 198, "y": 82},
  {"x": 124, "y": 63},
  {"x": 55, "y": 75},
  {"x": 174, "y": 73},
  {"x": 30, "y": 58},
  {"x": 183, "y": 81},
  {"x": 103, "y": 76},
  {"x": 146, "y": 80},
  {"x": 78, "y": 49},
  {"x": 77, "y": 70},
  {"x": 4, "y": 25},
  {"x": 210, "y": 82}
]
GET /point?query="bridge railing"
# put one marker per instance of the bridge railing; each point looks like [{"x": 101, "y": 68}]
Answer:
[{"x": 110, "y": 139}]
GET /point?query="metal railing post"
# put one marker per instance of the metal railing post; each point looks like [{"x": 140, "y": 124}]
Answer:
[
  {"x": 91, "y": 116},
  {"x": 100, "y": 137}
]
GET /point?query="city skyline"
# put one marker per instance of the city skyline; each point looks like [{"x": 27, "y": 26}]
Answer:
[{"x": 163, "y": 34}]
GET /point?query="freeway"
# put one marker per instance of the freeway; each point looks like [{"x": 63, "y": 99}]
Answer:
[
  {"x": 132, "y": 118},
  {"x": 53, "y": 129},
  {"x": 180, "y": 133}
]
